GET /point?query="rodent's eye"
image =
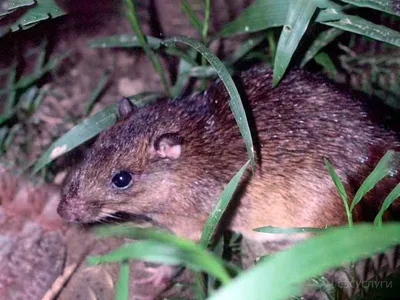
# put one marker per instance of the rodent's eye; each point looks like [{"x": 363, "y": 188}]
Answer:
[{"x": 122, "y": 179}]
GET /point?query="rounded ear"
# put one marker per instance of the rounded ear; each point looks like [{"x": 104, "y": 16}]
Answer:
[
  {"x": 125, "y": 107},
  {"x": 169, "y": 145}
]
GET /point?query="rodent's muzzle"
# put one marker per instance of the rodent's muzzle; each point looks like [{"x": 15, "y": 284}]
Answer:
[{"x": 76, "y": 210}]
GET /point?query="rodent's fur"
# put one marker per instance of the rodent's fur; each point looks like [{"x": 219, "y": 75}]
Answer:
[{"x": 296, "y": 124}]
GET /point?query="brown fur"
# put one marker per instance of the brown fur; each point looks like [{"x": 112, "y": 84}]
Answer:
[{"x": 296, "y": 124}]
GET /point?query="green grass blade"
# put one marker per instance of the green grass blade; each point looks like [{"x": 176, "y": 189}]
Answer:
[
  {"x": 220, "y": 207},
  {"x": 202, "y": 72},
  {"x": 394, "y": 194},
  {"x": 192, "y": 15},
  {"x": 296, "y": 23},
  {"x": 3, "y": 136},
  {"x": 122, "y": 287},
  {"x": 322, "y": 40},
  {"x": 199, "y": 288},
  {"x": 342, "y": 191},
  {"x": 325, "y": 61},
  {"x": 207, "y": 11},
  {"x": 288, "y": 230},
  {"x": 43, "y": 10},
  {"x": 79, "y": 134},
  {"x": 131, "y": 41},
  {"x": 146, "y": 250},
  {"x": 380, "y": 171},
  {"x": 162, "y": 247},
  {"x": 182, "y": 77},
  {"x": 181, "y": 54},
  {"x": 244, "y": 48},
  {"x": 12, "y": 5},
  {"x": 235, "y": 101},
  {"x": 6, "y": 116},
  {"x": 28, "y": 80},
  {"x": 131, "y": 14},
  {"x": 101, "y": 85},
  {"x": 124, "y": 41},
  {"x": 281, "y": 273},
  {"x": 260, "y": 15},
  {"x": 386, "y": 6},
  {"x": 358, "y": 25},
  {"x": 144, "y": 98},
  {"x": 331, "y": 12},
  {"x": 12, "y": 95},
  {"x": 41, "y": 56}
]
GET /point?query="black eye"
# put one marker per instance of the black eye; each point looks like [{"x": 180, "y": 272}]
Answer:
[{"x": 122, "y": 179}]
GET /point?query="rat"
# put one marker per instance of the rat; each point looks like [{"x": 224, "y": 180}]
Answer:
[{"x": 168, "y": 162}]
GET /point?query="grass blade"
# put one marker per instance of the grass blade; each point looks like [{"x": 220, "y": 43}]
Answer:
[
  {"x": 206, "y": 21},
  {"x": 162, "y": 247},
  {"x": 327, "y": 63},
  {"x": 258, "y": 16},
  {"x": 28, "y": 80},
  {"x": 380, "y": 171},
  {"x": 192, "y": 15},
  {"x": 394, "y": 194},
  {"x": 288, "y": 230},
  {"x": 154, "y": 58},
  {"x": 12, "y": 94},
  {"x": 358, "y": 25},
  {"x": 43, "y": 10},
  {"x": 244, "y": 48},
  {"x": 12, "y": 5},
  {"x": 220, "y": 207},
  {"x": 122, "y": 287},
  {"x": 387, "y": 6},
  {"x": 296, "y": 23},
  {"x": 322, "y": 40},
  {"x": 342, "y": 191},
  {"x": 101, "y": 85},
  {"x": 124, "y": 41},
  {"x": 309, "y": 258},
  {"x": 235, "y": 101}
]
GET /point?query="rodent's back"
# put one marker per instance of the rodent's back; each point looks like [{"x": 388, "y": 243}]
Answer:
[{"x": 303, "y": 120}]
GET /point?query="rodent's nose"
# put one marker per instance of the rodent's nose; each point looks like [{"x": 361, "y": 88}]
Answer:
[
  {"x": 74, "y": 210},
  {"x": 65, "y": 213}
]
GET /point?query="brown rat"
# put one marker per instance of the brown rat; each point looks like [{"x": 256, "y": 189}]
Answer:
[{"x": 169, "y": 161}]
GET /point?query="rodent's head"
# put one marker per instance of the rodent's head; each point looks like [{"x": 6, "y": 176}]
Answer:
[{"x": 146, "y": 167}]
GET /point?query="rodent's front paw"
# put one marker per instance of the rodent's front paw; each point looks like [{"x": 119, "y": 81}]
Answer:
[{"x": 159, "y": 275}]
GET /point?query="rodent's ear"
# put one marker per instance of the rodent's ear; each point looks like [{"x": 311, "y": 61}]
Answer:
[
  {"x": 168, "y": 145},
  {"x": 125, "y": 107}
]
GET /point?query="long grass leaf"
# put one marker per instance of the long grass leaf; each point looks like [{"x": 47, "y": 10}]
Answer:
[
  {"x": 281, "y": 273},
  {"x": 291, "y": 230},
  {"x": 296, "y": 23},
  {"x": 101, "y": 85},
  {"x": 366, "y": 28},
  {"x": 153, "y": 57},
  {"x": 380, "y": 171},
  {"x": 387, "y": 6},
  {"x": 323, "y": 39},
  {"x": 162, "y": 247},
  {"x": 393, "y": 195},
  {"x": 122, "y": 287},
  {"x": 220, "y": 207},
  {"x": 192, "y": 15}
]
